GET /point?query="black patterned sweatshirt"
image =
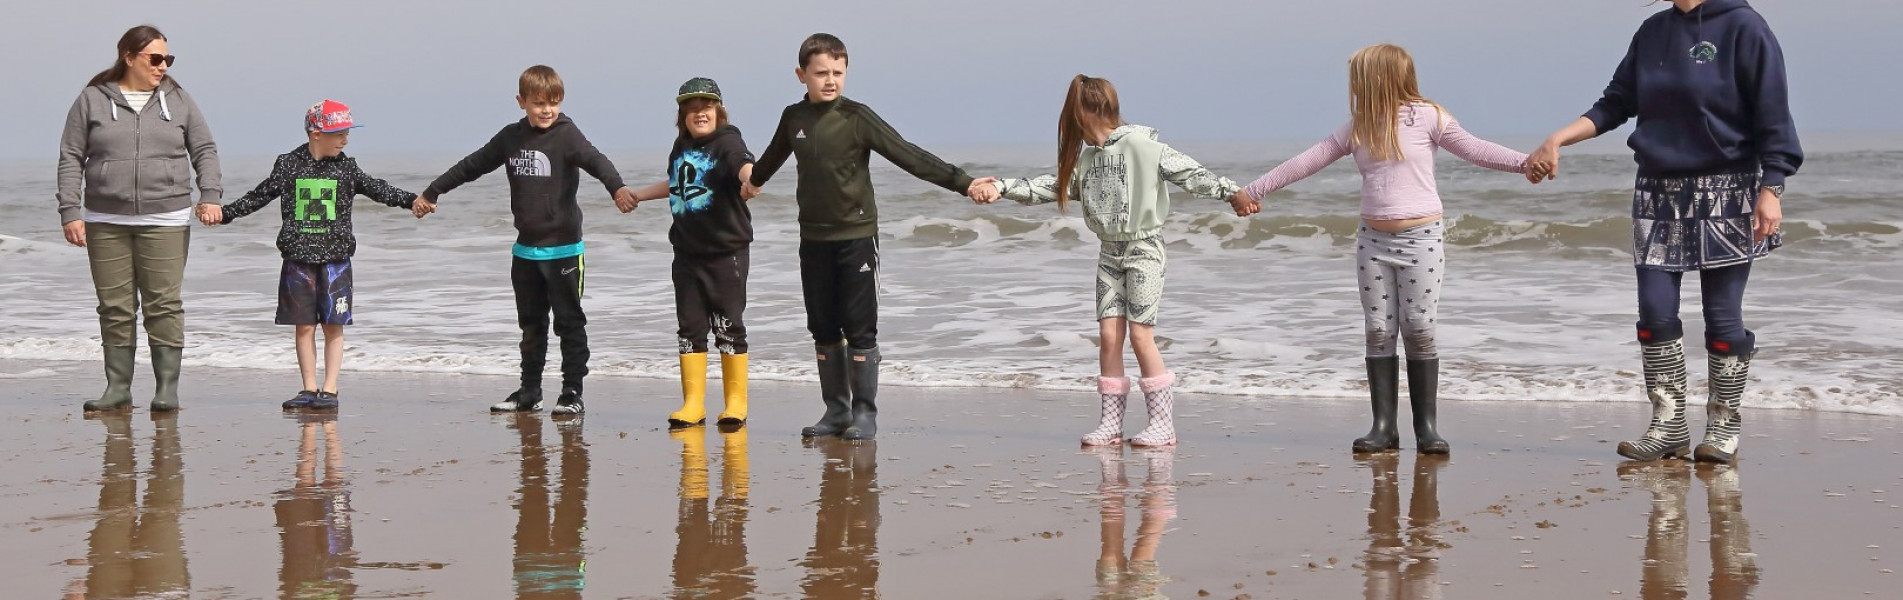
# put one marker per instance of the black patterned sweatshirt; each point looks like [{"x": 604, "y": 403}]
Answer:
[{"x": 317, "y": 197}]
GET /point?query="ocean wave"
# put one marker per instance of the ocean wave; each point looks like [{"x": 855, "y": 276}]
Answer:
[
  {"x": 1213, "y": 230},
  {"x": 1243, "y": 372}
]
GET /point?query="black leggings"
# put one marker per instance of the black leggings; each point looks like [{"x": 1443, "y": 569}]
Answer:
[
  {"x": 543, "y": 287},
  {"x": 710, "y": 293},
  {"x": 1722, "y": 294},
  {"x": 841, "y": 282}
]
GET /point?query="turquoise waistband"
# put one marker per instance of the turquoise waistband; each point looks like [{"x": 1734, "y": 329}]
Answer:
[{"x": 546, "y": 252}]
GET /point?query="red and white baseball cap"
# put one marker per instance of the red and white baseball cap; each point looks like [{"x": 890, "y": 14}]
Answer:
[{"x": 329, "y": 116}]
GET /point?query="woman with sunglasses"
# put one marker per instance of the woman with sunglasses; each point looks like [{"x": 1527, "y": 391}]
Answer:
[
  {"x": 1714, "y": 143},
  {"x": 131, "y": 142}
]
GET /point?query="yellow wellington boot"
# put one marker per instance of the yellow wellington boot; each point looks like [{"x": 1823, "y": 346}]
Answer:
[
  {"x": 693, "y": 392},
  {"x": 693, "y": 462},
  {"x": 734, "y": 476},
  {"x": 733, "y": 377}
]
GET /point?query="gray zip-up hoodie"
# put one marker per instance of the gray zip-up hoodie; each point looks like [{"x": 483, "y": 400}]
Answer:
[{"x": 135, "y": 163}]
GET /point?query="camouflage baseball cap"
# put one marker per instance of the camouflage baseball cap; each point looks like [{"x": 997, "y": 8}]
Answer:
[{"x": 699, "y": 87}]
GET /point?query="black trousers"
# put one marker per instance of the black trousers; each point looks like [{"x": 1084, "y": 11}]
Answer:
[
  {"x": 543, "y": 287},
  {"x": 710, "y": 293},
  {"x": 841, "y": 282}
]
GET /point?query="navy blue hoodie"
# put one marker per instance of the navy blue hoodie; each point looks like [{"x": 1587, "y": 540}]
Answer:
[{"x": 1708, "y": 89}]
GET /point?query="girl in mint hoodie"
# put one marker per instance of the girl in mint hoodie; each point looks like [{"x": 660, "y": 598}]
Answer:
[{"x": 1119, "y": 172}]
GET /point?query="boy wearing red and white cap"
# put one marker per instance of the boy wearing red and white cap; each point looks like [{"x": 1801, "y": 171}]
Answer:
[{"x": 317, "y": 183}]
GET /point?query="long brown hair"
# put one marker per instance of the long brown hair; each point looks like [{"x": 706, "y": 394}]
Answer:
[
  {"x": 1091, "y": 105},
  {"x": 134, "y": 41},
  {"x": 1380, "y": 81}
]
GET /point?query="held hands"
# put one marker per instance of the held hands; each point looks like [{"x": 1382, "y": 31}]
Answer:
[
  {"x": 625, "y": 199},
  {"x": 748, "y": 190},
  {"x": 211, "y": 214},
  {"x": 1543, "y": 163},
  {"x": 422, "y": 207},
  {"x": 983, "y": 190},
  {"x": 1768, "y": 216},
  {"x": 1244, "y": 205}
]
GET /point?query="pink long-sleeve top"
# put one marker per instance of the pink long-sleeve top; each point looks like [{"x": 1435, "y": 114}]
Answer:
[{"x": 1396, "y": 189}]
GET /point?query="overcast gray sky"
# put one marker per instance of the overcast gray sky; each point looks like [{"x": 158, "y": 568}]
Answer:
[{"x": 439, "y": 77}]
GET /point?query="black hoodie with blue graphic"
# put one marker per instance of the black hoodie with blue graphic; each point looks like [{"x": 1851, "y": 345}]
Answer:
[
  {"x": 1709, "y": 91},
  {"x": 703, "y": 192},
  {"x": 545, "y": 168}
]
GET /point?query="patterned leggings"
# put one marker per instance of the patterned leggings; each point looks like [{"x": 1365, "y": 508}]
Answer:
[{"x": 1400, "y": 276}]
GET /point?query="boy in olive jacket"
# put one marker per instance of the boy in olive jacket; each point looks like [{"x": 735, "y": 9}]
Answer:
[{"x": 834, "y": 137}]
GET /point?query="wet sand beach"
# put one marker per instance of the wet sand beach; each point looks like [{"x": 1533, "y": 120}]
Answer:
[{"x": 414, "y": 490}]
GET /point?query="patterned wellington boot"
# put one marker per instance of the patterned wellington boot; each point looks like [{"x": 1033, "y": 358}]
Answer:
[
  {"x": 1115, "y": 392},
  {"x": 1723, "y": 425},
  {"x": 1162, "y": 408},
  {"x": 1668, "y": 435}
]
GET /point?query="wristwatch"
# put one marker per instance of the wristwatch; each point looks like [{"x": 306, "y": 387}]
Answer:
[{"x": 1776, "y": 190}]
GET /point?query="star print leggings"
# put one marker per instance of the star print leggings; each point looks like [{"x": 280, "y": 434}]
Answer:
[{"x": 1400, "y": 275}]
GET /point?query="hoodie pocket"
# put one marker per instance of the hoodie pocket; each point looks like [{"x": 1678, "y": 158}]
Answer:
[
  {"x": 109, "y": 180},
  {"x": 159, "y": 178}
]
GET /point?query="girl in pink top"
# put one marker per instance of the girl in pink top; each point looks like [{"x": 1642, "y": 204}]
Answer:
[{"x": 1399, "y": 258}]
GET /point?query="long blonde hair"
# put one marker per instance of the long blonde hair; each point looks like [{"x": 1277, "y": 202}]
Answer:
[
  {"x": 1090, "y": 105},
  {"x": 1380, "y": 81}
]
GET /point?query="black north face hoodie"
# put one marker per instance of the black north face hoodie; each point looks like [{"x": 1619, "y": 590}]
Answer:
[{"x": 544, "y": 167}]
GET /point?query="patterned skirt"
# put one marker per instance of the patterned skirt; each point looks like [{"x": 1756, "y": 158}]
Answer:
[{"x": 1694, "y": 223}]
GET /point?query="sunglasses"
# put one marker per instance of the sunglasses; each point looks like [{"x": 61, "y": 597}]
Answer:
[{"x": 157, "y": 59}]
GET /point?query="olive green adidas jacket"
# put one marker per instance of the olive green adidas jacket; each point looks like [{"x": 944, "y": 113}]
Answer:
[{"x": 834, "y": 142}]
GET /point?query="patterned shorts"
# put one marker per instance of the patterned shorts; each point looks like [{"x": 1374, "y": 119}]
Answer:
[
  {"x": 1693, "y": 223},
  {"x": 314, "y": 293},
  {"x": 1130, "y": 279}
]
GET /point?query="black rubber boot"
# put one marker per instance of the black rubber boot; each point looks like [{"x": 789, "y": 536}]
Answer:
[
  {"x": 1384, "y": 389},
  {"x": 165, "y": 366},
  {"x": 118, "y": 394},
  {"x": 834, "y": 390},
  {"x": 865, "y": 393},
  {"x": 1423, "y": 388}
]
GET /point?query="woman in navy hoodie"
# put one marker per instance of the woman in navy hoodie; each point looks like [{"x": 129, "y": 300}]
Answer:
[{"x": 1714, "y": 143}]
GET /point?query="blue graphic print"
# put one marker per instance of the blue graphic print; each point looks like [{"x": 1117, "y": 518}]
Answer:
[{"x": 687, "y": 182}]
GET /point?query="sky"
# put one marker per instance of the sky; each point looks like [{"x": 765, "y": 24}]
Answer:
[{"x": 438, "y": 78}]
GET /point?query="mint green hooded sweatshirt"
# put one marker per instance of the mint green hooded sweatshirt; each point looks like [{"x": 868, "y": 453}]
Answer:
[{"x": 1122, "y": 184}]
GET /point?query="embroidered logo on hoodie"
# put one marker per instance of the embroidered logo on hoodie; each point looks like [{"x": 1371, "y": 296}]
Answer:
[
  {"x": 531, "y": 163},
  {"x": 1704, "y": 52}
]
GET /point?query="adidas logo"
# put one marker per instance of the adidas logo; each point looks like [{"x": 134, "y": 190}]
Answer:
[
  {"x": 799, "y": 134},
  {"x": 865, "y": 267}
]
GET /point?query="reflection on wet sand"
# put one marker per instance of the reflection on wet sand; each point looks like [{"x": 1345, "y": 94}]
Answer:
[
  {"x": 313, "y": 518},
  {"x": 136, "y": 547},
  {"x": 710, "y": 558},
  {"x": 844, "y": 559},
  {"x": 1403, "y": 564},
  {"x": 549, "y": 559},
  {"x": 1136, "y": 575},
  {"x": 1734, "y": 569}
]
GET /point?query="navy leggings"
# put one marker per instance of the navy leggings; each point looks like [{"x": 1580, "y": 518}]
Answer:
[{"x": 1722, "y": 290}]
